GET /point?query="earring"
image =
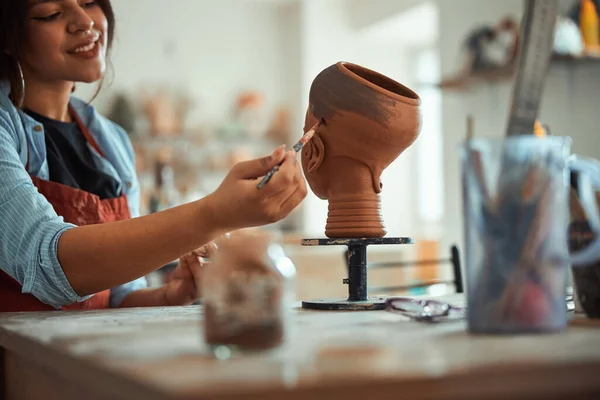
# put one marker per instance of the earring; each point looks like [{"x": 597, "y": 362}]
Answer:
[{"x": 22, "y": 84}]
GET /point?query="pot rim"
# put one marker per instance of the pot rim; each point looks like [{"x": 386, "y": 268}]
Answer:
[{"x": 411, "y": 96}]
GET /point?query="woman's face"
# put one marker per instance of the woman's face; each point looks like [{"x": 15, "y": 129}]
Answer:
[{"x": 65, "y": 40}]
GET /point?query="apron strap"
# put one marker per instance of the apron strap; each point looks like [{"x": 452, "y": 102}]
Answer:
[{"x": 86, "y": 133}]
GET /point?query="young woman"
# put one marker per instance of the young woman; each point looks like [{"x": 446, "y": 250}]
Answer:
[{"x": 70, "y": 233}]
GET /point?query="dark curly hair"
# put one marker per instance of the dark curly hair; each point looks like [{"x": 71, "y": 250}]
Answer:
[{"x": 12, "y": 34}]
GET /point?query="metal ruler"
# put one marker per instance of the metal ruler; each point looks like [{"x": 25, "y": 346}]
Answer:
[{"x": 535, "y": 51}]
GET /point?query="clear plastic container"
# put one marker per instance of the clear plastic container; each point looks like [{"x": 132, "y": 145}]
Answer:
[
  {"x": 515, "y": 205},
  {"x": 248, "y": 293}
]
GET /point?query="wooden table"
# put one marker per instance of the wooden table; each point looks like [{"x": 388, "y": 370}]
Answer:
[{"x": 158, "y": 353}]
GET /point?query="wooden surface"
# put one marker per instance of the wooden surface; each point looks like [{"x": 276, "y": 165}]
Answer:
[{"x": 158, "y": 353}]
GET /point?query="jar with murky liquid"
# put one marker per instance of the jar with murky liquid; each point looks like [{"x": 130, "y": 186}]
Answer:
[{"x": 248, "y": 292}]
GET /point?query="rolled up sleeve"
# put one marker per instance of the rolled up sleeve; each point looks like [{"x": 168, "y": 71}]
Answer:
[{"x": 30, "y": 230}]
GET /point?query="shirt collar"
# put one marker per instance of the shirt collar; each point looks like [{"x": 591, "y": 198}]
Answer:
[{"x": 84, "y": 111}]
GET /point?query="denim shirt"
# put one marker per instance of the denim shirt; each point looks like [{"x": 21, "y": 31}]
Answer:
[{"x": 29, "y": 226}]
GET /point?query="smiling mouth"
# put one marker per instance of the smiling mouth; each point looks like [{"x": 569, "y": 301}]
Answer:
[
  {"x": 83, "y": 49},
  {"x": 86, "y": 47}
]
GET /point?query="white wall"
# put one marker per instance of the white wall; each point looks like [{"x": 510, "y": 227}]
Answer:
[
  {"x": 364, "y": 13},
  {"x": 569, "y": 106},
  {"x": 290, "y": 47},
  {"x": 212, "y": 48}
]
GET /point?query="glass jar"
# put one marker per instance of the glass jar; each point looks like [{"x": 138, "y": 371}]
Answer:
[{"x": 248, "y": 292}]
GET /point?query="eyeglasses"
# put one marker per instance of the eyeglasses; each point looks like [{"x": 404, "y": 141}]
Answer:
[
  {"x": 425, "y": 310},
  {"x": 437, "y": 311}
]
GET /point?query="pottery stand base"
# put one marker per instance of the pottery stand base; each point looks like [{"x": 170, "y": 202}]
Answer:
[{"x": 358, "y": 298}]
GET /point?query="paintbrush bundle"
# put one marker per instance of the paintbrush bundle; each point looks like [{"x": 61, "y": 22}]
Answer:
[{"x": 515, "y": 203}]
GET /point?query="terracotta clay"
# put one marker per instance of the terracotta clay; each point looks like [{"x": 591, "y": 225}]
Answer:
[{"x": 368, "y": 120}]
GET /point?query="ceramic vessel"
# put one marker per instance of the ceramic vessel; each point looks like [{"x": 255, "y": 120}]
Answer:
[{"x": 368, "y": 120}]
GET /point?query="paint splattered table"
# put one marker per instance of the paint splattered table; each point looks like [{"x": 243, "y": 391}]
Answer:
[{"x": 158, "y": 353}]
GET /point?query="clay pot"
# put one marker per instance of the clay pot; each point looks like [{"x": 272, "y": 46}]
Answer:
[{"x": 368, "y": 120}]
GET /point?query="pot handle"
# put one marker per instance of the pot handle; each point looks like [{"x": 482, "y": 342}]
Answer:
[{"x": 588, "y": 183}]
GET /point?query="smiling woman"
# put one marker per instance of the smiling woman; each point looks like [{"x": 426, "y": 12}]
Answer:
[
  {"x": 53, "y": 52},
  {"x": 70, "y": 231}
]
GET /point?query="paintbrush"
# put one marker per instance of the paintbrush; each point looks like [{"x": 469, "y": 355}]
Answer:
[{"x": 297, "y": 147}]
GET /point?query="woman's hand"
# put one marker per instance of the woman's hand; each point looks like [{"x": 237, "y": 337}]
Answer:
[
  {"x": 184, "y": 285},
  {"x": 237, "y": 203}
]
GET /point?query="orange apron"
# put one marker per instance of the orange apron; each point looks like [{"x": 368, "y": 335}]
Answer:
[{"x": 77, "y": 207}]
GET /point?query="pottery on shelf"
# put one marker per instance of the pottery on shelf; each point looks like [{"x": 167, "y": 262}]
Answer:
[
  {"x": 368, "y": 120},
  {"x": 166, "y": 111}
]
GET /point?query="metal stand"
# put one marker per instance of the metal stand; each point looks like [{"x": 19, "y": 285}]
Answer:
[{"x": 357, "y": 274}]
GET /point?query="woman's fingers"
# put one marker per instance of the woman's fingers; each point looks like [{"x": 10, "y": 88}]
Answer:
[
  {"x": 284, "y": 177},
  {"x": 242, "y": 205},
  {"x": 185, "y": 265},
  {"x": 206, "y": 251},
  {"x": 197, "y": 267},
  {"x": 296, "y": 191},
  {"x": 287, "y": 180},
  {"x": 197, "y": 270},
  {"x": 293, "y": 201},
  {"x": 194, "y": 265},
  {"x": 281, "y": 180},
  {"x": 252, "y": 169}
]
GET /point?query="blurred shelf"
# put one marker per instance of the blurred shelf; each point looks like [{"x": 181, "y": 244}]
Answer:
[
  {"x": 167, "y": 139},
  {"x": 574, "y": 61},
  {"x": 490, "y": 76},
  {"x": 460, "y": 83},
  {"x": 197, "y": 139}
]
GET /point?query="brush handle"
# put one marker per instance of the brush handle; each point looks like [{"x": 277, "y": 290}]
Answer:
[
  {"x": 267, "y": 177},
  {"x": 297, "y": 147}
]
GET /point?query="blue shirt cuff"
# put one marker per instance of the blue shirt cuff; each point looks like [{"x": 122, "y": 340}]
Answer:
[
  {"x": 118, "y": 294},
  {"x": 46, "y": 279}
]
